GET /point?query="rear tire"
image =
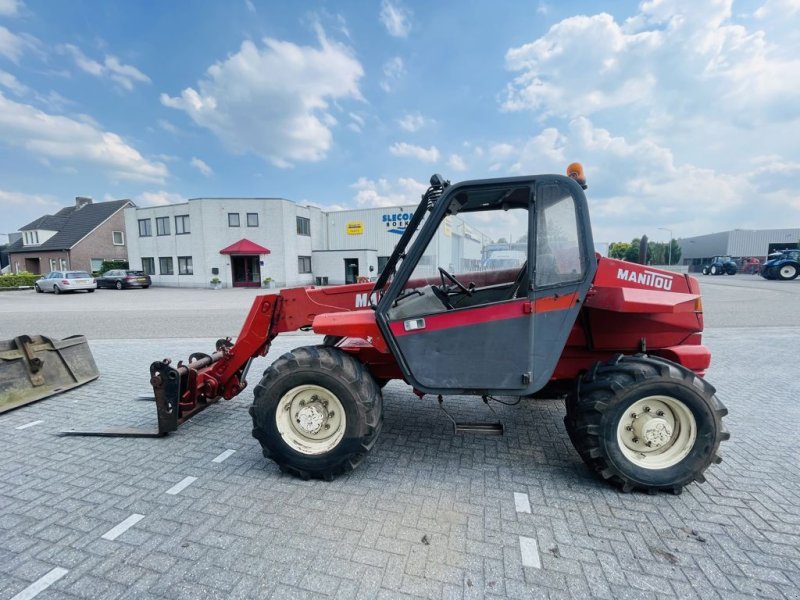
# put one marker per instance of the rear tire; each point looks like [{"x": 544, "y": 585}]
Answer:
[
  {"x": 787, "y": 272},
  {"x": 677, "y": 413},
  {"x": 290, "y": 406},
  {"x": 90, "y": 291},
  {"x": 118, "y": 285},
  {"x": 56, "y": 290},
  {"x": 714, "y": 270}
]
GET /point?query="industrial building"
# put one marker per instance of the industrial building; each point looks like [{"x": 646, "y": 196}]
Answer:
[
  {"x": 738, "y": 243},
  {"x": 251, "y": 242}
]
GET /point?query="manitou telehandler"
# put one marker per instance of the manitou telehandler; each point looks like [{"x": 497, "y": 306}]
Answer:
[{"x": 621, "y": 340}]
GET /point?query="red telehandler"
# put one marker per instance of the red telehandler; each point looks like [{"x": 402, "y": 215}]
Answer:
[{"x": 621, "y": 340}]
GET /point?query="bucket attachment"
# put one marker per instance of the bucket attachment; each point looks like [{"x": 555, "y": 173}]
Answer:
[{"x": 34, "y": 367}]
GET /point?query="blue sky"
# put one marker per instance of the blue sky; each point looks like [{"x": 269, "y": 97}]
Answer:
[{"x": 685, "y": 114}]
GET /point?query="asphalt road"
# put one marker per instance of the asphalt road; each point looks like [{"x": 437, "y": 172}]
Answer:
[{"x": 738, "y": 301}]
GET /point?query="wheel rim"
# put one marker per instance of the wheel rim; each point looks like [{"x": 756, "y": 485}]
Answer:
[
  {"x": 119, "y": 285},
  {"x": 310, "y": 419},
  {"x": 787, "y": 271},
  {"x": 660, "y": 435}
]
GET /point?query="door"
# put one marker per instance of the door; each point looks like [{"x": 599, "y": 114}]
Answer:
[
  {"x": 491, "y": 328},
  {"x": 457, "y": 326},
  {"x": 246, "y": 271},
  {"x": 350, "y": 270}
]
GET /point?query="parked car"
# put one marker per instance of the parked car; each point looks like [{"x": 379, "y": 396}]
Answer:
[
  {"x": 784, "y": 264},
  {"x": 120, "y": 278},
  {"x": 65, "y": 281}
]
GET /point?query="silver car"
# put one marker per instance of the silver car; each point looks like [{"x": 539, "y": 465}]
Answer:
[{"x": 66, "y": 281}]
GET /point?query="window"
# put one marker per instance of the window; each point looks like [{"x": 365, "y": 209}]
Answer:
[
  {"x": 185, "y": 265},
  {"x": 145, "y": 229},
  {"x": 558, "y": 250},
  {"x": 148, "y": 265},
  {"x": 96, "y": 264},
  {"x": 118, "y": 238},
  {"x": 304, "y": 264},
  {"x": 165, "y": 266},
  {"x": 182, "y": 225},
  {"x": 53, "y": 264},
  {"x": 36, "y": 233},
  {"x": 63, "y": 263},
  {"x": 162, "y": 225},
  {"x": 382, "y": 260},
  {"x": 252, "y": 219},
  {"x": 303, "y": 226},
  {"x": 233, "y": 219}
]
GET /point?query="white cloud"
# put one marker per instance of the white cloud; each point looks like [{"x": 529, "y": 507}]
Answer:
[
  {"x": 405, "y": 191},
  {"x": 356, "y": 122},
  {"x": 10, "y": 8},
  {"x": 394, "y": 70},
  {"x": 430, "y": 155},
  {"x": 396, "y": 18},
  {"x": 666, "y": 110},
  {"x": 72, "y": 141},
  {"x": 13, "y": 45},
  {"x": 126, "y": 76},
  {"x": 273, "y": 100},
  {"x": 456, "y": 163},
  {"x": 543, "y": 8},
  {"x": 160, "y": 198},
  {"x": 20, "y": 199},
  {"x": 167, "y": 126},
  {"x": 413, "y": 122},
  {"x": 778, "y": 8},
  {"x": 201, "y": 166},
  {"x": 10, "y": 82},
  {"x": 676, "y": 57}
]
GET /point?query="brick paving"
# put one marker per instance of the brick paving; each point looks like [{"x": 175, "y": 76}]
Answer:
[{"x": 429, "y": 514}]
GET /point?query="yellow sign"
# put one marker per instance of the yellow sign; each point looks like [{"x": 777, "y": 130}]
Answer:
[
  {"x": 355, "y": 228},
  {"x": 448, "y": 229}
]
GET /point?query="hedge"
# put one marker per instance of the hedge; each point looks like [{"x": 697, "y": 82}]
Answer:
[{"x": 13, "y": 280}]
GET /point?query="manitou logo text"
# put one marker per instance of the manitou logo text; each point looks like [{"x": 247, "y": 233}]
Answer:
[
  {"x": 650, "y": 278},
  {"x": 363, "y": 302}
]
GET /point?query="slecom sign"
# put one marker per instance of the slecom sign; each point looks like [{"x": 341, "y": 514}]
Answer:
[{"x": 396, "y": 222}]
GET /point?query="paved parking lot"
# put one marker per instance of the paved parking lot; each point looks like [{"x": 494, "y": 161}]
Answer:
[{"x": 201, "y": 514}]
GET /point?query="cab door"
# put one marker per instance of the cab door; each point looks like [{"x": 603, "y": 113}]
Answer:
[{"x": 506, "y": 333}]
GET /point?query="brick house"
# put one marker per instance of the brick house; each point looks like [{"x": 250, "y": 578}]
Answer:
[{"x": 77, "y": 237}]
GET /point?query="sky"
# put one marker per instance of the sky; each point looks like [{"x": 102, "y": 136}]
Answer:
[{"x": 684, "y": 113}]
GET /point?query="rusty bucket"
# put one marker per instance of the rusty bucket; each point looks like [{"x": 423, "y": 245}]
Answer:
[{"x": 34, "y": 367}]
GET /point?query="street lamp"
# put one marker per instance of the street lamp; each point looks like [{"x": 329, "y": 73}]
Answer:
[{"x": 669, "y": 260}]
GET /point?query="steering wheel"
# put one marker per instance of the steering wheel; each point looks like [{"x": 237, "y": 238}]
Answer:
[
  {"x": 456, "y": 282},
  {"x": 442, "y": 296}
]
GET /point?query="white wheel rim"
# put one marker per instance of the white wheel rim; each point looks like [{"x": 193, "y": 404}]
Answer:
[
  {"x": 310, "y": 419},
  {"x": 787, "y": 271},
  {"x": 660, "y": 435}
]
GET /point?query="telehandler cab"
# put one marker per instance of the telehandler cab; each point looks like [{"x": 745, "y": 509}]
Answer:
[{"x": 622, "y": 340}]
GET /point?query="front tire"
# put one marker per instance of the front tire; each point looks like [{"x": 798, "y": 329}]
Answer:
[
  {"x": 714, "y": 270},
  {"x": 37, "y": 288},
  {"x": 671, "y": 441},
  {"x": 317, "y": 412}
]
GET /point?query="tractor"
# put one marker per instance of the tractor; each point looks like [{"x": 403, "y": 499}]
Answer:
[
  {"x": 782, "y": 265},
  {"x": 720, "y": 265},
  {"x": 620, "y": 342}
]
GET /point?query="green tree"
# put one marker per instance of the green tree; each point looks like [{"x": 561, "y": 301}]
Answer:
[
  {"x": 618, "y": 249},
  {"x": 632, "y": 252}
]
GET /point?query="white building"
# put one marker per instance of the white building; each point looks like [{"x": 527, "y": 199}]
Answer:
[{"x": 243, "y": 241}]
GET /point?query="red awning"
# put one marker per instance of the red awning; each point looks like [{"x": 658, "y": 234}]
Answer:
[{"x": 244, "y": 246}]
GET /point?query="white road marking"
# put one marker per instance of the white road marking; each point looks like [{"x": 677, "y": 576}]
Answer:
[
  {"x": 522, "y": 503},
  {"x": 41, "y": 584},
  {"x": 530, "y": 552},
  {"x": 181, "y": 485},
  {"x": 223, "y": 456},
  {"x": 31, "y": 424},
  {"x": 117, "y": 531}
]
